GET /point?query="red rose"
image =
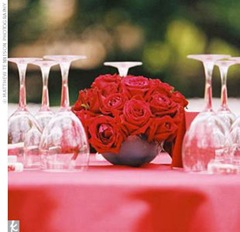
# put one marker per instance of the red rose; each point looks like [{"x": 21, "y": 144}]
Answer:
[
  {"x": 115, "y": 108},
  {"x": 81, "y": 102},
  {"x": 105, "y": 134},
  {"x": 113, "y": 104},
  {"x": 135, "y": 85},
  {"x": 136, "y": 115},
  {"x": 156, "y": 86},
  {"x": 89, "y": 99},
  {"x": 179, "y": 98},
  {"x": 107, "y": 84},
  {"x": 178, "y": 117},
  {"x": 85, "y": 117},
  {"x": 161, "y": 129},
  {"x": 162, "y": 105}
]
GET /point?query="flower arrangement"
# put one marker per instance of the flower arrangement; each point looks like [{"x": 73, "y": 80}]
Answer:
[{"x": 115, "y": 107}]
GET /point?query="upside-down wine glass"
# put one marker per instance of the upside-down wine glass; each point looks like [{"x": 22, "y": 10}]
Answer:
[
  {"x": 222, "y": 163},
  {"x": 23, "y": 130},
  {"x": 64, "y": 145},
  {"x": 235, "y": 128},
  {"x": 207, "y": 133},
  {"x": 123, "y": 66},
  {"x": 44, "y": 114},
  {"x": 235, "y": 134}
]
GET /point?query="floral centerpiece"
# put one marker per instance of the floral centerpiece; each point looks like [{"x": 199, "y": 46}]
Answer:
[{"x": 116, "y": 108}]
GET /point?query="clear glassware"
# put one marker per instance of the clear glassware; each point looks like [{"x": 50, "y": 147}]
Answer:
[
  {"x": 226, "y": 161},
  {"x": 208, "y": 61},
  {"x": 207, "y": 133},
  {"x": 123, "y": 66},
  {"x": 235, "y": 136},
  {"x": 235, "y": 132},
  {"x": 24, "y": 133},
  {"x": 44, "y": 114},
  {"x": 64, "y": 144},
  {"x": 224, "y": 111}
]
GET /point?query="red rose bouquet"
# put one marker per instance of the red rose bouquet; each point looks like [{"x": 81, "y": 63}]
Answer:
[{"x": 116, "y": 107}]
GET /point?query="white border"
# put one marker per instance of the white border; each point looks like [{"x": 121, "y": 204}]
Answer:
[{"x": 4, "y": 116}]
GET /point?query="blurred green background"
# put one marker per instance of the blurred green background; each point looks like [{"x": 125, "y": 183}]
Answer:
[{"x": 159, "y": 33}]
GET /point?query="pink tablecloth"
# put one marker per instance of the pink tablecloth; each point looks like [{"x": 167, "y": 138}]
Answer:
[{"x": 108, "y": 198}]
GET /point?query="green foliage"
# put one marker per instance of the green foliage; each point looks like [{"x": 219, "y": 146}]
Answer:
[{"x": 159, "y": 33}]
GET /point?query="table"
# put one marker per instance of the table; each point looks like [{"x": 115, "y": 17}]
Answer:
[{"x": 107, "y": 198}]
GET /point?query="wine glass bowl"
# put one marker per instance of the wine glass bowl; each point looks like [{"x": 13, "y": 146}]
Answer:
[
  {"x": 205, "y": 137},
  {"x": 64, "y": 144},
  {"x": 123, "y": 66},
  {"x": 235, "y": 131}
]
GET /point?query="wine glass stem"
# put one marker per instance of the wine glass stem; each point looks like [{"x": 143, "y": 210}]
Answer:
[
  {"x": 224, "y": 95},
  {"x": 22, "y": 90},
  {"x": 65, "y": 92},
  {"x": 123, "y": 71},
  {"x": 208, "y": 68},
  {"x": 45, "y": 93}
]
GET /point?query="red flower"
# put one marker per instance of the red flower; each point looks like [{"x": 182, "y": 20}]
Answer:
[
  {"x": 136, "y": 115},
  {"x": 135, "y": 85},
  {"x": 105, "y": 134},
  {"x": 107, "y": 84},
  {"x": 113, "y": 104},
  {"x": 161, "y": 129},
  {"x": 89, "y": 99},
  {"x": 85, "y": 117},
  {"x": 156, "y": 86},
  {"x": 115, "y": 108},
  {"x": 161, "y": 105},
  {"x": 179, "y": 98}
]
